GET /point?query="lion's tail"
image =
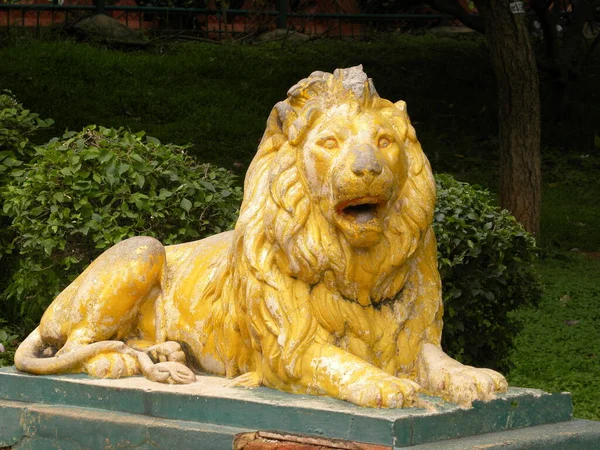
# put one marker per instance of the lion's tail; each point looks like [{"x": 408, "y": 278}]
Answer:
[{"x": 28, "y": 356}]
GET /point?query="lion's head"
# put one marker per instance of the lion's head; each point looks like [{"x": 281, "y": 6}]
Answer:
[
  {"x": 339, "y": 178},
  {"x": 339, "y": 193}
]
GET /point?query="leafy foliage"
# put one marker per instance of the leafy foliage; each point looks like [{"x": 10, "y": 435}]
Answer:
[
  {"x": 486, "y": 264},
  {"x": 89, "y": 190},
  {"x": 17, "y": 126},
  {"x": 8, "y": 343}
]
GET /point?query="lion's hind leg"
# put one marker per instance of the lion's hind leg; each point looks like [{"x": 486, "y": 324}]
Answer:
[
  {"x": 115, "y": 359},
  {"x": 35, "y": 356},
  {"x": 112, "y": 365},
  {"x": 89, "y": 319}
]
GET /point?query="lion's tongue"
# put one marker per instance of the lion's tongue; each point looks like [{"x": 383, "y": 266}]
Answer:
[{"x": 361, "y": 213}]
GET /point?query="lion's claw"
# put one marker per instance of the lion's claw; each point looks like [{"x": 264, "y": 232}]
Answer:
[
  {"x": 171, "y": 373},
  {"x": 443, "y": 376},
  {"x": 465, "y": 384},
  {"x": 384, "y": 392},
  {"x": 248, "y": 380}
]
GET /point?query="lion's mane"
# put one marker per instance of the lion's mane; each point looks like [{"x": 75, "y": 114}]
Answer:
[{"x": 283, "y": 245}]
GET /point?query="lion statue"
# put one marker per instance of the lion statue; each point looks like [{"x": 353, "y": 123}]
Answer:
[{"x": 328, "y": 285}]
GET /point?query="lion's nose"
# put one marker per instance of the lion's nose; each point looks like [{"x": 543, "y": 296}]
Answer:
[{"x": 365, "y": 161}]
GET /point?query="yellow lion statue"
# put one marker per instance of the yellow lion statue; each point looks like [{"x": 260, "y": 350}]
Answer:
[{"x": 328, "y": 285}]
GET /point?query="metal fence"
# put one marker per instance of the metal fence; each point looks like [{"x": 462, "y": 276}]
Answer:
[{"x": 239, "y": 20}]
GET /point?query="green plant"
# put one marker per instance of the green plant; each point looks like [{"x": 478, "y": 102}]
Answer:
[
  {"x": 17, "y": 126},
  {"x": 8, "y": 344},
  {"x": 486, "y": 264},
  {"x": 89, "y": 190}
]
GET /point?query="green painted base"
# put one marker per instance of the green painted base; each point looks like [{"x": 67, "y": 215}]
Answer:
[{"x": 77, "y": 412}]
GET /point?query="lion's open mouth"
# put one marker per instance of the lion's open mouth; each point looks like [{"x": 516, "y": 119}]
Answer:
[{"x": 361, "y": 209}]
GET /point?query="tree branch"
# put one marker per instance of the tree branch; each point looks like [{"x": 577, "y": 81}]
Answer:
[{"x": 454, "y": 8}]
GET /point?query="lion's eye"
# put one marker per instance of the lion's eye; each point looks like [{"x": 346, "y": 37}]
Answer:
[
  {"x": 329, "y": 143},
  {"x": 384, "y": 142}
]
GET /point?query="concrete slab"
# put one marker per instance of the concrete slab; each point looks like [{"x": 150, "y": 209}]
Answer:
[{"x": 36, "y": 408}]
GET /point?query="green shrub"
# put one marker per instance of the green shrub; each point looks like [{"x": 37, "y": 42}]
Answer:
[
  {"x": 8, "y": 343},
  {"x": 486, "y": 263},
  {"x": 89, "y": 190},
  {"x": 17, "y": 125}
]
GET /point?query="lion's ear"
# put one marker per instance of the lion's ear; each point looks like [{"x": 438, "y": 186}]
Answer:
[
  {"x": 401, "y": 105},
  {"x": 282, "y": 114}
]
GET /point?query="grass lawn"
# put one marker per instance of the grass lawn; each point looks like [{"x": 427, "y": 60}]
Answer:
[
  {"x": 559, "y": 347},
  {"x": 218, "y": 98}
]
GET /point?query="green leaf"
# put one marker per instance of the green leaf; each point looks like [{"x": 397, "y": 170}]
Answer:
[
  {"x": 111, "y": 169},
  {"x": 123, "y": 167},
  {"x": 91, "y": 153},
  {"x": 164, "y": 193},
  {"x": 208, "y": 185},
  {"x": 152, "y": 140},
  {"x": 140, "y": 180},
  {"x": 12, "y": 162},
  {"x": 186, "y": 204},
  {"x": 105, "y": 155},
  {"x": 49, "y": 245},
  {"x": 38, "y": 210},
  {"x": 137, "y": 157}
]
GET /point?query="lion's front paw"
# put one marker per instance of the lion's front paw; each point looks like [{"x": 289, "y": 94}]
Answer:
[
  {"x": 248, "y": 380},
  {"x": 166, "y": 351},
  {"x": 171, "y": 373},
  {"x": 383, "y": 391},
  {"x": 464, "y": 384},
  {"x": 443, "y": 376}
]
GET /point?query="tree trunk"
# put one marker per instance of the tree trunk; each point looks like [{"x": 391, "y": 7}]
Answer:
[{"x": 516, "y": 73}]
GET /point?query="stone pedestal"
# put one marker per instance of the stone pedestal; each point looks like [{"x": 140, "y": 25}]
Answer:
[{"x": 77, "y": 412}]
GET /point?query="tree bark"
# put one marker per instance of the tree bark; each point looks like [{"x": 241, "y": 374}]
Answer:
[{"x": 516, "y": 74}]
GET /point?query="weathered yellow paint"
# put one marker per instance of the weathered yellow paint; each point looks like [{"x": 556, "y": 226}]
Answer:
[{"x": 328, "y": 285}]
